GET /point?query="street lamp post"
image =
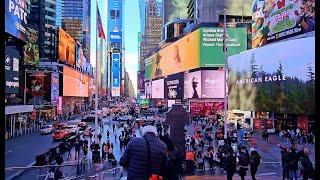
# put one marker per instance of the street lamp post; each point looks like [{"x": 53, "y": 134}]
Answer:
[{"x": 225, "y": 72}]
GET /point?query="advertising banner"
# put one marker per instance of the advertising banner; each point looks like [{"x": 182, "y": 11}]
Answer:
[
  {"x": 201, "y": 48},
  {"x": 38, "y": 87},
  {"x": 212, "y": 84},
  {"x": 276, "y": 78},
  {"x": 12, "y": 60},
  {"x": 66, "y": 47},
  {"x": 140, "y": 81},
  {"x": 80, "y": 60},
  {"x": 277, "y": 20},
  {"x": 54, "y": 88},
  {"x": 31, "y": 49},
  {"x": 148, "y": 89},
  {"x": 75, "y": 84},
  {"x": 115, "y": 37},
  {"x": 157, "y": 88},
  {"x": 116, "y": 74},
  {"x": 173, "y": 88},
  {"x": 196, "y": 108},
  {"x": 16, "y": 18},
  {"x": 192, "y": 85}
]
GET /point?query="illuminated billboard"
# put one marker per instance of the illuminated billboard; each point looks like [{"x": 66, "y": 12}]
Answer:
[
  {"x": 16, "y": 18},
  {"x": 157, "y": 89},
  {"x": 80, "y": 59},
  {"x": 274, "y": 78},
  {"x": 148, "y": 89},
  {"x": 277, "y": 20},
  {"x": 115, "y": 91},
  {"x": 38, "y": 87},
  {"x": 75, "y": 83},
  {"x": 66, "y": 47},
  {"x": 201, "y": 48},
  {"x": 54, "y": 88},
  {"x": 31, "y": 48},
  {"x": 192, "y": 85},
  {"x": 12, "y": 60},
  {"x": 173, "y": 88}
]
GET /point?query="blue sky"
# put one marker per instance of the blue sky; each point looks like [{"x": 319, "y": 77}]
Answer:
[
  {"x": 295, "y": 55},
  {"x": 131, "y": 29}
]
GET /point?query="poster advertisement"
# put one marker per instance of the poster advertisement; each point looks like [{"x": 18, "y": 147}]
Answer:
[
  {"x": 16, "y": 18},
  {"x": 173, "y": 88},
  {"x": 115, "y": 37},
  {"x": 157, "y": 89},
  {"x": 192, "y": 85},
  {"x": 75, "y": 83},
  {"x": 31, "y": 48},
  {"x": 196, "y": 108},
  {"x": 212, "y": 84},
  {"x": 148, "y": 89},
  {"x": 140, "y": 81},
  {"x": 38, "y": 87},
  {"x": 115, "y": 74},
  {"x": 54, "y": 88},
  {"x": 277, "y": 20},
  {"x": 274, "y": 79},
  {"x": 201, "y": 48},
  {"x": 66, "y": 47},
  {"x": 79, "y": 57},
  {"x": 302, "y": 123},
  {"x": 12, "y": 60}
]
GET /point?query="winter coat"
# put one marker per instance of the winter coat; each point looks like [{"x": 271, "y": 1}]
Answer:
[
  {"x": 292, "y": 161},
  {"x": 255, "y": 159},
  {"x": 230, "y": 163},
  {"x": 307, "y": 167},
  {"x": 135, "y": 157}
]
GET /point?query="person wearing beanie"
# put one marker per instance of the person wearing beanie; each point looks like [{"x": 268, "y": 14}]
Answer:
[{"x": 145, "y": 156}]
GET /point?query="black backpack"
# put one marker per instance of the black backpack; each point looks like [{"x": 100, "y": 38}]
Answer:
[{"x": 245, "y": 161}]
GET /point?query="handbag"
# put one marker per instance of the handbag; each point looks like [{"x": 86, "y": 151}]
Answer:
[{"x": 151, "y": 176}]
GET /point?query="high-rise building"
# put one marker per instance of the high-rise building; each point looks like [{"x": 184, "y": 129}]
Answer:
[
  {"x": 212, "y": 11},
  {"x": 58, "y": 13},
  {"x": 142, "y": 9},
  {"x": 43, "y": 19}
]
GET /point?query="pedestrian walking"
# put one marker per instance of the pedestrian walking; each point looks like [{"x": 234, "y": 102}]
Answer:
[
  {"x": 69, "y": 149},
  {"x": 99, "y": 136},
  {"x": 113, "y": 127},
  {"x": 200, "y": 161},
  {"x": 293, "y": 164},
  {"x": 144, "y": 167},
  {"x": 230, "y": 164},
  {"x": 108, "y": 134},
  {"x": 307, "y": 170},
  {"x": 77, "y": 147},
  {"x": 115, "y": 136},
  {"x": 50, "y": 175},
  {"x": 59, "y": 159},
  {"x": 255, "y": 160},
  {"x": 284, "y": 161},
  {"x": 244, "y": 161}
]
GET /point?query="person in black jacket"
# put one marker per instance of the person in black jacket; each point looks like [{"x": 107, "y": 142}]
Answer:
[
  {"x": 307, "y": 168},
  {"x": 284, "y": 160},
  {"x": 293, "y": 164},
  {"x": 244, "y": 161},
  {"x": 254, "y": 162},
  {"x": 230, "y": 164},
  {"x": 135, "y": 158}
]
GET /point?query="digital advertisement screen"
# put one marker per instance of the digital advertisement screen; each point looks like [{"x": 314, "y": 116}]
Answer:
[
  {"x": 31, "y": 48},
  {"x": 79, "y": 58},
  {"x": 192, "y": 85},
  {"x": 157, "y": 88},
  {"x": 12, "y": 60},
  {"x": 66, "y": 47},
  {"x": 148, "y": 89},
  {"x": 140, "y": 81},
  {"x": 173, "y": 87},
  {"x": 16, "y": 18},
  {"x": 116, "y": 58},
  {"x": 201, "y": 48},
  {"x": 277, "y": 20},
  {"x": 116, "y": 37},
  {"x": 75, "y": 83},
  {"x": 54, "y": 88},
  {"x": 212, "y": 84},
  {"x": 38, "y": 87},
  {"x": 174, "y": 9},
  {"x": 274, "y": 79}
]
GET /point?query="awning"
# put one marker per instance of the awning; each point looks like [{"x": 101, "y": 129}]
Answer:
[{"x": 18, "y": 109}]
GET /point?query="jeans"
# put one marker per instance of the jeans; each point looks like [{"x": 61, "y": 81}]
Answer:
[{"x": 293, "y": 174}]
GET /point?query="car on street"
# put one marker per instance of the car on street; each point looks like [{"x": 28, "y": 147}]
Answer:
[
  {"x": 46, "y": 129},
  {"x": 61, "y": 134},
  {"x": 90, "y": 119},
  {"x": 73, "y": 129},
  {"x": 82, "y": 125}
]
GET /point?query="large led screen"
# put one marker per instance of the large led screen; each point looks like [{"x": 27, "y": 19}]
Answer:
[
  {"x": 173, "y": 86},
  {"x": 66, "y": 47},
  {"x": 16, "y": 18},
  {"x": 278, "y": 20},
  {"x": 157, "y": 88},
  {"x": 275, "y": 78},
  {"x": 192, "y": 85},
  {"x": 75, "y": 83},
  {"x": 38, "y": 87},
  {"x": 140, "y": 80},
  {"x": 201, "y": 48},
  {"x": 54, "y": 88},
  {"x": 148, "y": 89},
  {"x": 12, "y": 60},
  {"x": 115, "y": 74},
  {"x": 212, "y": 84},
  {"x": 31, "y": 48}
]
